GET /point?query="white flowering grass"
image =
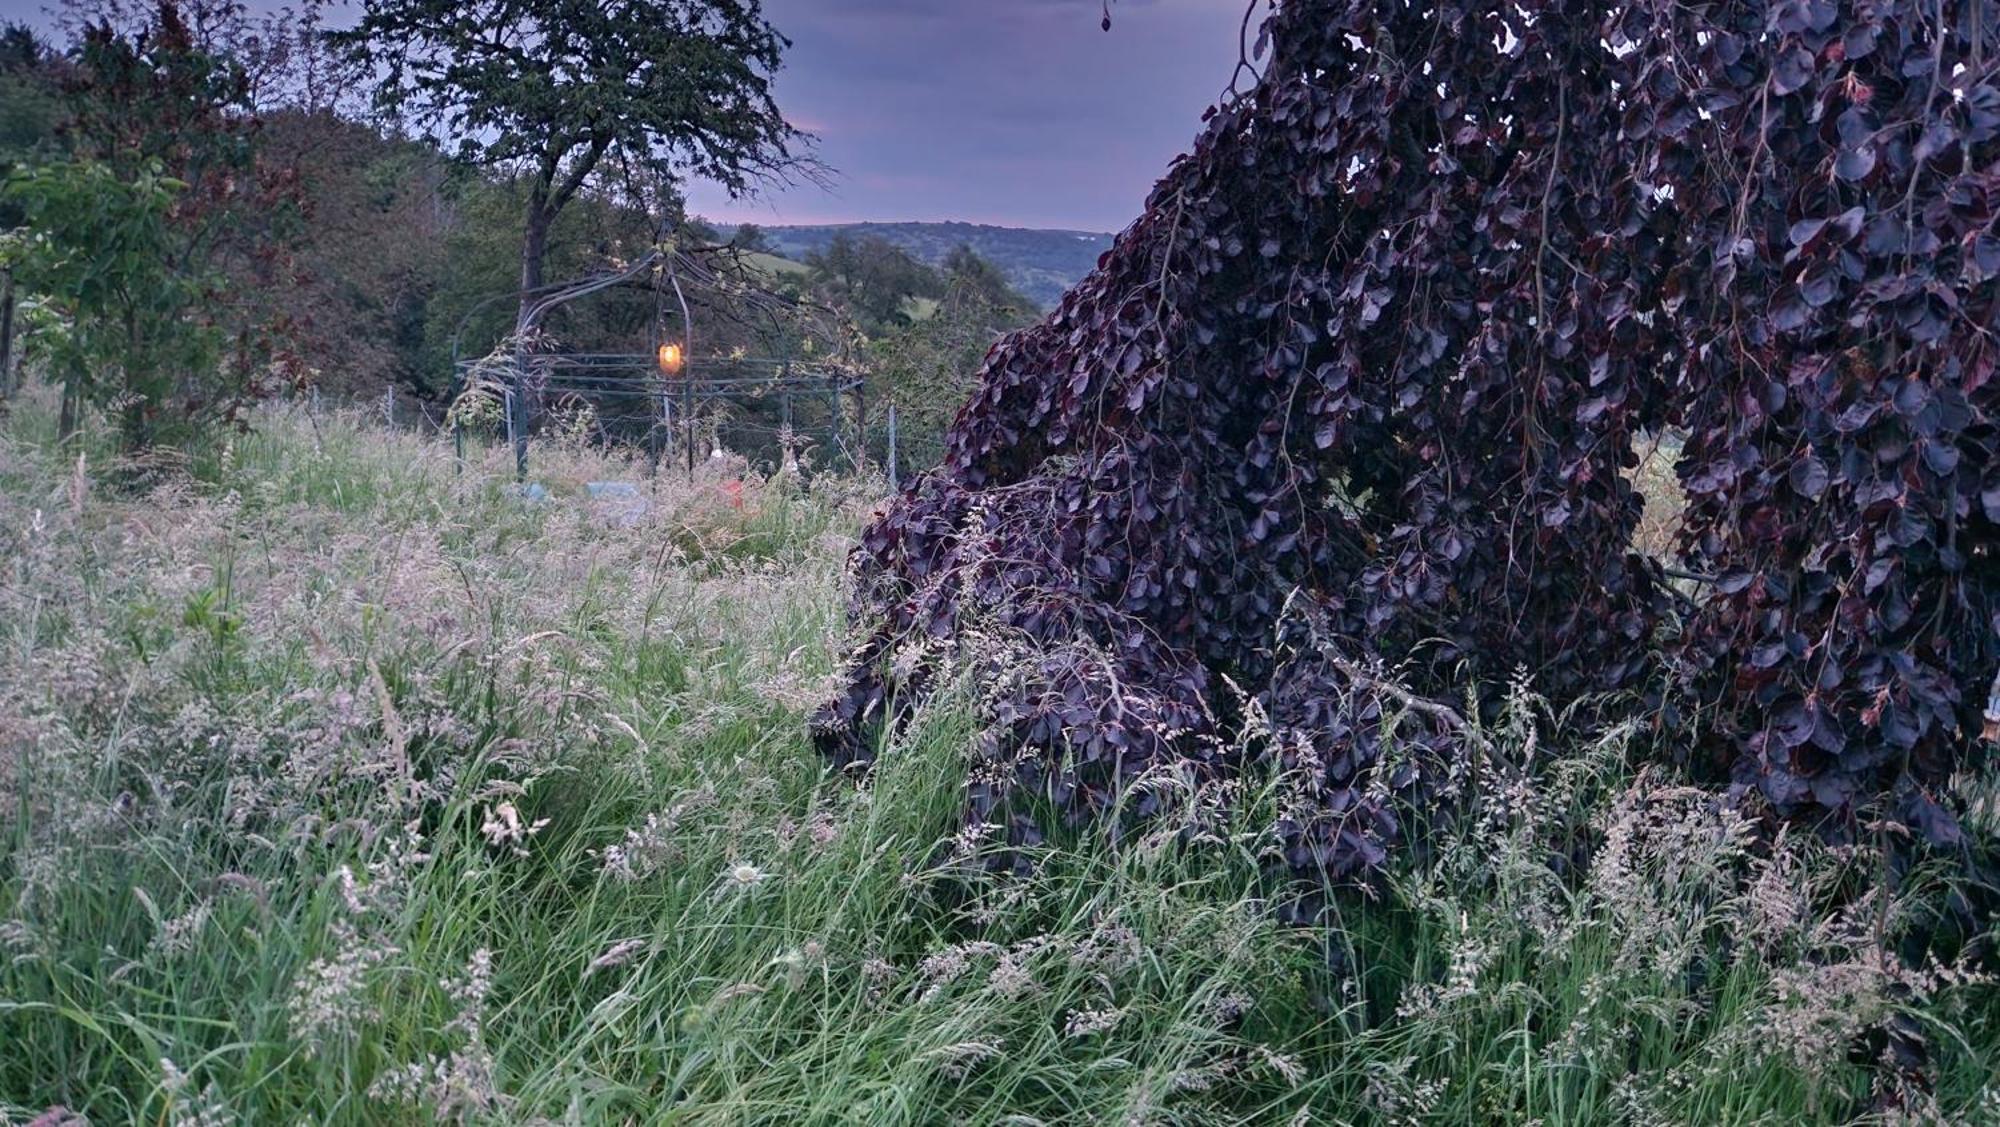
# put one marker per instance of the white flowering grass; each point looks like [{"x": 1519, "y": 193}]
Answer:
[{"x": 337, "y": 785}]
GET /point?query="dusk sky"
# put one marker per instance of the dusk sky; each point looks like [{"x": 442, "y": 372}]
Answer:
[
  {"x": 1020, "y": 113},
  {"x": 1014, "y": 112}
]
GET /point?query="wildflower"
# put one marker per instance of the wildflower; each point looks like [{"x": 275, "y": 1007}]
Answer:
[
  {"x": 743, "y": 877},
  {"x": 1285, "y": 1066},
  {"x": 1199, "y": 1079},
  {"x": 797, "y": 961},
  {"x": 822, "y": 829},
  {"x": 1228, "y": 1009},
  {"x": 650, "y": 847},
  {"x": 1114, "y": 948},
  {"x": 877, "y": 973},
  {"x": 1010, "y": 978},
  {"x": 644, "y": 851},
  {"x": 17, "y": 936},
  {"x": 470, "y": 991},
  {"x": 942, "y": 968},
  {"x": 458, "y": 1085},
  {"x": 1470, "y": 956},
  {"x": 1395, "y": 1095},
  {"x": 350, "y": 890}
]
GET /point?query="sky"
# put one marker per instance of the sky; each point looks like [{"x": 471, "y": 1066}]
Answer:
[{"x": 1021, "y": 113}]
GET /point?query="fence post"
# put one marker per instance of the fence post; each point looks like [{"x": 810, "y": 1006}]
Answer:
[
  {"x": 893, "y": 486},
  {"x": 667, "y": 426},
  {"x": 457, "y": 421},
  {"x": 687, "y": 410},
  {"x": 860, "y": 427},
  {"x": 389, "y": 405},
  {"x": 6, "y": 332},
  {"x": 517, "y": 425}
]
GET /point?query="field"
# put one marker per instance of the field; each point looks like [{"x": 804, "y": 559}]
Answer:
[{"x": 340, "y": 785}]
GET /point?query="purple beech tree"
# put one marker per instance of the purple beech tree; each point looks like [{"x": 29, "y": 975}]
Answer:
[{"x": 1358, "y": 390}]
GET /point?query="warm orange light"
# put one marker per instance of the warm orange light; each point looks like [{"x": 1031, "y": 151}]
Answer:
[{"x": 670, "y": 358}]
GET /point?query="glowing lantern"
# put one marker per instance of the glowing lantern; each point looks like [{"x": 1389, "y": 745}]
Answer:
[{"x": 670, "y": 358}]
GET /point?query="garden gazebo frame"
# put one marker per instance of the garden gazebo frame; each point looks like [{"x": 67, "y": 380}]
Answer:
[{"x": 675, "y": 381}]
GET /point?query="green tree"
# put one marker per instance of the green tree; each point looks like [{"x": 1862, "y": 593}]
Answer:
[
  {"x": 750, "y": 239},
  {"x": 100, "y": 250},
  {"x": 29, "y": 110},
  {"x": 376, "y": 251},
  {"x": 480, "y": 254},
  {"x": 927, "y": 368},
  {"x": 570, "y": 93},
  {"x": 980, "y": 283},
  {"x": 151, "y": 233},
  {"x": 874, "y": 279},
  {"x": 29, "y": 102}
]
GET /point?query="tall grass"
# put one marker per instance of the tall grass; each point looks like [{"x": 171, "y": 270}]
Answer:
[{"x": 337, "y": 785}]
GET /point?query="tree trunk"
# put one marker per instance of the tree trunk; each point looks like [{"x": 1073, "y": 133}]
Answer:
[
  {"x": 143, "y": 392},
  {"x": 534, "y": 248},
  {"x": 72, "y": 402}
]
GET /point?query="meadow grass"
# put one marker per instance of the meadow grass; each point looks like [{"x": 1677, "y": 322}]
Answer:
[{"x": 342, "y": 784}]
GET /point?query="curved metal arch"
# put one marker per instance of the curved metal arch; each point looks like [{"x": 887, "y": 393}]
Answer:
[
  {"x": 554, "y": 294},
  {"x": 668, "y": 263}
]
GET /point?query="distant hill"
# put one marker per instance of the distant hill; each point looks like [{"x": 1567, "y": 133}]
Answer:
[{"x": 1039, "y": 263}]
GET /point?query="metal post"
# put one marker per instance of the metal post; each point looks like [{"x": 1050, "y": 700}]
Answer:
[
  {"x": 457, "y": 418},
  {"x": 687, "y": 412},
  {"x": 860, "y": 426},
  {"x": 507, "y": 411},
  {"x": 687, "y": 350},
  {"x": 833, "y": 442},
  {"x": 666, "y": 451},
  {"x": 6, "y": 332},
  {"x": 892, "y": 448},
  {"x": 517, "y": 423}
]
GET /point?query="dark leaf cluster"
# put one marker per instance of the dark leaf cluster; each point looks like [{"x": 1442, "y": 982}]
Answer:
[{"x": 1372, "y": 364}]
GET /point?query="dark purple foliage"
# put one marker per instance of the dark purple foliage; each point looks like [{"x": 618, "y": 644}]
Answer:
[{"x": 1361, "y": 381}]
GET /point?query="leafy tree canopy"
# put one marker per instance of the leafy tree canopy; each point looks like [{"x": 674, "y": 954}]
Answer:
[
  {"x": 928, "y": 368},
  {"x": 750, "y": 237},
  {"x": 873, "y": 278},
  {"x": 150, "y": 230},
  {"x": 567, "y": 91},
  {"x": 29, "y": 104}
]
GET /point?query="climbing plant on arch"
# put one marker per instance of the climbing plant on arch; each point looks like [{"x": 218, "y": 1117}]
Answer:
[{"x": 1359, "y": 385}]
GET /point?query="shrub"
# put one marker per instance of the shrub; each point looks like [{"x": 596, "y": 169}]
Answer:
[{"x": 1361, "y": 388}]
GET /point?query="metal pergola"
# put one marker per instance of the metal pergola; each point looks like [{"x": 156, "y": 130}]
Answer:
[{"x": 661, "y": 399}]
